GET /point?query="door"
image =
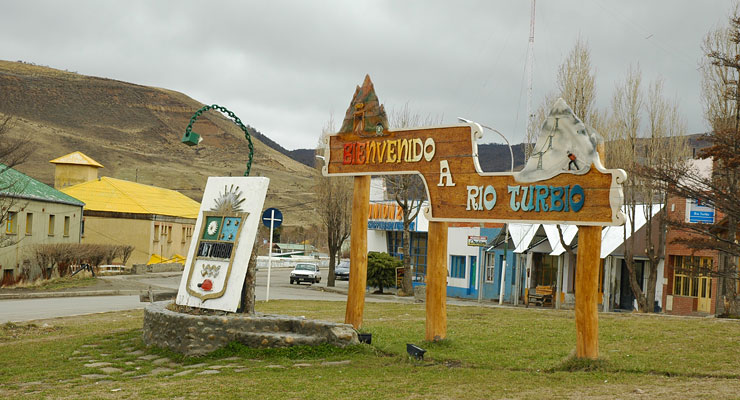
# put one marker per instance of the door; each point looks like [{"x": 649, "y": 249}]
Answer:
[
  {"x": 626, "y": 297},
  {"x": 473, "y": 278},
  {"x": 705, "y": 294}
]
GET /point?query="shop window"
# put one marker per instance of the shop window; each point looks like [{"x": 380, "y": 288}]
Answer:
[
  {"x": 688, "y": 270},
  {"x": 11, "y": 223},
  {"x": 52, "y": 220},
  {"x": 66, "y": 226},
  {"x": 29, "y": 224},
  {"x": 417, "y": 255},
  {"x": 457, "y": 267},
  {"x": 546, "y": 269}
]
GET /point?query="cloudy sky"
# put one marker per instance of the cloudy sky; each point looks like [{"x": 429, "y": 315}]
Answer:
[{"x": 285, "y": 67}]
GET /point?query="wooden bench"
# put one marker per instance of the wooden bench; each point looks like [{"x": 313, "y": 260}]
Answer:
[{"x": 541, "y": 296}]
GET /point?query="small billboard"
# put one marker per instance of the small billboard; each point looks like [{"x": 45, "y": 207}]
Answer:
[{"x": 699, "y": 212}]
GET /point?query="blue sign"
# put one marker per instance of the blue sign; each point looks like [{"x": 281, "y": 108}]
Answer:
[
  {"x": 382, "y": 225},
  {"x": 272, "y": 215},
  {"x": 699, "y": 213}
]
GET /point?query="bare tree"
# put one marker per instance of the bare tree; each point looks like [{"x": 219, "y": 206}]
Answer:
[
  {"x": 721, "y": 98},
  {"x": 631, "y": 145},
  {"x": 408, "y": 191},
  {"x": 334, "y": 206},
  {"x": 13, "y": 152}
]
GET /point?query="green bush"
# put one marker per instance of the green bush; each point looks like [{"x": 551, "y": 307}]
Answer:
[{"x": 381, "y": 269}]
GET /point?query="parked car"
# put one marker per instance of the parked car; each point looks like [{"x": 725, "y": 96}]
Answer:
[
  {"x": 306, "y": 273},
  {"x": 341, "y": 271}
]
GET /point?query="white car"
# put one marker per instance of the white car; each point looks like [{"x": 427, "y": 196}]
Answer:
[{"x": 306, "y": 273}]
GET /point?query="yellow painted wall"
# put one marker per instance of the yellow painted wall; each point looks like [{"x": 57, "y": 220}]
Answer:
[
  {"x": 70, "y": 174},
  {"x": 12, "y": 257},
  {"x": 140, "y": 234}
]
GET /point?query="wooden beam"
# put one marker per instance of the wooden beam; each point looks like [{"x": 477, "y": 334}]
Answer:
[
  {"x": 358, "y": 252},
  {"x": 436, "y": 280},
  {"x": 587, "y": 288}
]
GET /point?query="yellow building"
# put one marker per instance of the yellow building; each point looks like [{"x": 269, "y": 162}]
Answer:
[
  {"x": 158, "y": 222},
  {"x": 74, "y": 168}
]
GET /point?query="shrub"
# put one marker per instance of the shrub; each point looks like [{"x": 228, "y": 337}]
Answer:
[{"x": 381, "y": 269}]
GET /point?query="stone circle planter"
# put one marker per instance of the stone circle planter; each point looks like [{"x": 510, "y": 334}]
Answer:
[{"x": 195, "y": 335}]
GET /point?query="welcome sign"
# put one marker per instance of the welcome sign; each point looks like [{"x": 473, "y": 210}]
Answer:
[{"x": 562, "y": 182}]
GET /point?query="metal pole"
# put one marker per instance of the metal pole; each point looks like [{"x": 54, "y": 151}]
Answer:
[
  {"x": 503, "y": 269},
  {"x": 269, "y": 257}
]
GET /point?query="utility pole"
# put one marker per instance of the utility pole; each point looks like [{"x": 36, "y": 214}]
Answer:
[{"x": 530, "y": 67}]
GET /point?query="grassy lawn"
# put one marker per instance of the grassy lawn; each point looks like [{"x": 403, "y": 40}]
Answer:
[
  {"x": 489, "y": 353},
  {"x": 78, "y": 281}
]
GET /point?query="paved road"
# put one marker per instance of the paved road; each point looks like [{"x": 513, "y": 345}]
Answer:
[
  {"x": 280, "y": 288},
  {"x": 30, "y": 309}
]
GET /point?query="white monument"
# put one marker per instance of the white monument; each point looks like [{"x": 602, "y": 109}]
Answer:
[{"x": 219, "y": 251}]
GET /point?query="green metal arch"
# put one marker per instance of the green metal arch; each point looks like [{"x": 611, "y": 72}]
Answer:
[{"x": 191, "y": 138}]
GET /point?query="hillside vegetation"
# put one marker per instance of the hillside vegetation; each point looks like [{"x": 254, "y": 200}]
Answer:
[{"x": 135, "y": 131}]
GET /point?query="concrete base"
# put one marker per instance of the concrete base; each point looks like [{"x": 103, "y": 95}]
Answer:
[{"x": 195, "y": 335}]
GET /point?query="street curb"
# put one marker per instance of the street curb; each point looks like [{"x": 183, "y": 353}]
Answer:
[
  {"x": 44, "y": 295},
  {"x": 393, "y": 297}
]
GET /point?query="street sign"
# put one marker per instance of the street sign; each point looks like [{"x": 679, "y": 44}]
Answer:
[
  {"x": 697, "y": 212},
  {"x": 272, "y": 215},
  {"x": 478, "y": 241}
]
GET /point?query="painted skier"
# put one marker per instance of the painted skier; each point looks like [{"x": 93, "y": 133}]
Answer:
[{"x": 572, "y": 162}]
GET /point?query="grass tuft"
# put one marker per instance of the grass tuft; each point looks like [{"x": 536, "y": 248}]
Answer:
[
  {"x": 573, "y": 364},
  {"x": 324, "y": 351}
]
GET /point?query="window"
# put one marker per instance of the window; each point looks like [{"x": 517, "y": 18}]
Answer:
[
  {"x": 156, "y": 233},
  {"x": 29, "y": 223},
  {"x": 491, "y": 267},
  {"x": 66, "y": 226},
  {"x": 51, "y": 225},
  {"x": 688, "y": 269},
  {"x": 11, "y": 223},
  {"x": 169, "y": 234},
  {"x": 418, "y": 254},
  {"x": 546, "y": 269},
  {"x": 182, "y": 240},
  {"x": 457, "y": 267}
]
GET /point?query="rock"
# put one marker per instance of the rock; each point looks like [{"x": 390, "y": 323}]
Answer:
[
  {"x": 97, "y": 364},
  {"x": 94, "y": 376},
  {"x": 209, "y": 372},
  {"x": 159, "y": 371},
  {"x": 110, "y": 370},
  {"x": 332, "y": 363}
]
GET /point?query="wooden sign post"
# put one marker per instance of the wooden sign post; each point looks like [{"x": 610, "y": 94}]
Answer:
[{"x": 563, "y": 182}]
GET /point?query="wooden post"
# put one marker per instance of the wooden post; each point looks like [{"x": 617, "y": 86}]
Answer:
[
  {"x": 358, "y": 252},
  {"x": 587, "y": 288},
  {"x": 436, "y": 280}
]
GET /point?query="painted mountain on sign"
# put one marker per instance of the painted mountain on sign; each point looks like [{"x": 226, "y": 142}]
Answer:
[
  {"x": 565, "y": 146},
  {"x": 365, "y": 115}
]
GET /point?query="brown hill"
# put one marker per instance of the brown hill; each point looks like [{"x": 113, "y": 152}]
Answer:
[{"x": 135, "y": 131}]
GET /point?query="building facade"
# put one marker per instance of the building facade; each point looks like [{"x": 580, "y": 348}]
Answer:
[
  {"x": 157, "y": 222},
  {"x": 35, "y": 213}
]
